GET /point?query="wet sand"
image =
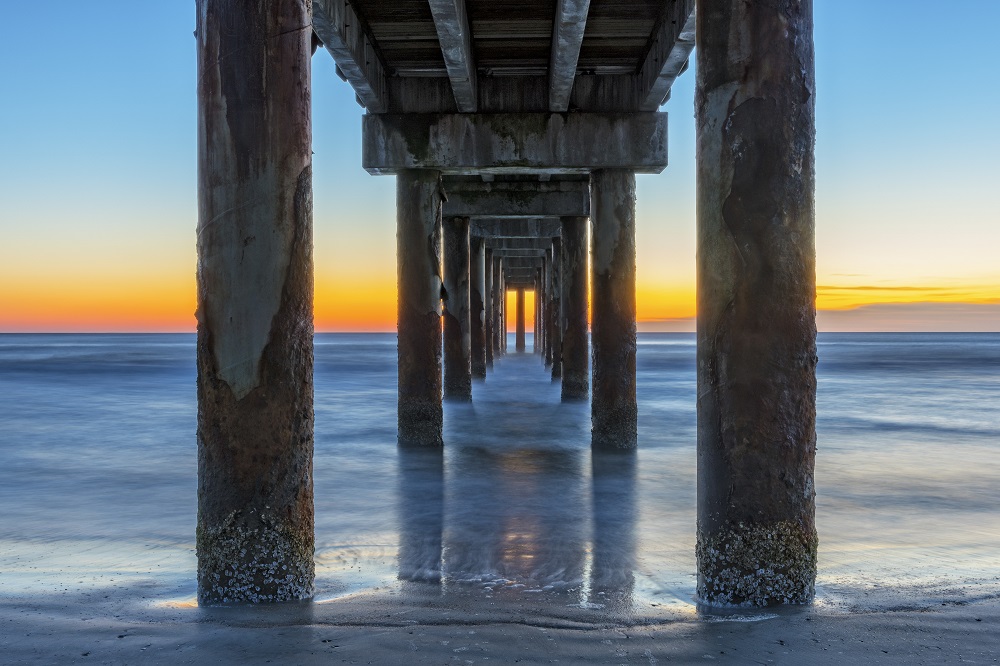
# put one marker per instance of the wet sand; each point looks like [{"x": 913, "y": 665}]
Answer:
[{"x": 371, "y": 631}]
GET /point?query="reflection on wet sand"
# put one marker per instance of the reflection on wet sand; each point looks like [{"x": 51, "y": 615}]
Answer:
[
  {"x": 612, "y": 580},
  {"x": 421, "y": 513},
  {"x": 514, "y": 522}
]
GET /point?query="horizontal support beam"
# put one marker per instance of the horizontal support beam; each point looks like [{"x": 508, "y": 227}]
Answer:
[
  {"x": 493, "y": 228},
  {"x": 341, "y": 32},
  {"x": 668, "y": 57},
  {"x": 499, "y": 143},
  {"x": 522, "y": 262},
  {"x": 517, "y": 199},
  {"x": 567, "y": 38},
  {"x": 452, "y": 24},
  {"x": 527, "y": 252},
  {"x": 543, "y": 243}
]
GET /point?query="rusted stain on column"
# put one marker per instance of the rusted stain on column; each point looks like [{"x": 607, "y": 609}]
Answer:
[
  {"x": 255, "y": 290},
  {"x": 457, "y": 333},
  {"x": 756, "y": 314},
  {"x": 477, "y": 312},
  {"x": 555, "y": 317},
  {"x": 488, "y": 316},
  {"x": 519, "y": 323},
  {"x": 613, "y": 403},
  {"x": 418, "y": 263},
  {"x": 574, "y": 307}
]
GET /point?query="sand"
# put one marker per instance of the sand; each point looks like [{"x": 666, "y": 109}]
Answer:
[{"x": 367, "y": 630}]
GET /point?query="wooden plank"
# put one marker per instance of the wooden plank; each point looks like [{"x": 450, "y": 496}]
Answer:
[
  {"x": 455, "y": 35},
  {"x": 567, "y": 37},
  {"x": 335, "y": 22},
  {"x": 668, "y": 55}
]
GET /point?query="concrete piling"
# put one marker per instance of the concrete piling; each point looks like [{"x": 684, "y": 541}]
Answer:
[
  {"x": 555, "y": 317},
  {"x": 519, "y": 322},
  {"x": 255, "y": 294},
  {"x": 756, "y": 314},
  {"x": 547, "y": 316},
  {"x": 613, "y": 401},
  {"x": 498, "y": 296},
  {"x": 488, "y": 316},
  {"x": 477, "y": 298},
  {"x": 418, "y": 252},
  {"x": 575, "y": 381},
  {"x": 456, "y": 313}
]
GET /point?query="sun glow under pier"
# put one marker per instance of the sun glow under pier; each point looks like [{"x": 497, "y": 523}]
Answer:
[{"x": 514, "y": 134}]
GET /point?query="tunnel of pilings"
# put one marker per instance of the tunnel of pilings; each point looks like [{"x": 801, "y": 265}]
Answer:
[{"x": 515, "y": 136}]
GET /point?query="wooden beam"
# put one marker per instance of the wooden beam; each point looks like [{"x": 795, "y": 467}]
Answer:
[
  {"x": 567, "y": 37},
  {"x": 455, "y": 35},
  {"x": 668, "y": 55},
  {"x": 335, "y": 22}
]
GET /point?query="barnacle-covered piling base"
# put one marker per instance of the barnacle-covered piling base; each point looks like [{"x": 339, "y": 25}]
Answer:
[
  {"x": 757, "y": 566},
  {"x": 253, "y": 558}
]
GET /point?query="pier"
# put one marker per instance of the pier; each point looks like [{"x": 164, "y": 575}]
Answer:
[{"x": 515, "y": 133}]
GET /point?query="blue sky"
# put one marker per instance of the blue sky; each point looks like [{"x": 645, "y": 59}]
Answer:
[{"x": 97, "y": 155}]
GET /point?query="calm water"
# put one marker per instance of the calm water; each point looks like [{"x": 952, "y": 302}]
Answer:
[{"x": 98, "y": 465}]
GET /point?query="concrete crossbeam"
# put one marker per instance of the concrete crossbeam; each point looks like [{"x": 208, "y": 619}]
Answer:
[
  {"x": 567, "y": 38},
  {"x": 506, "y": 143},
  {"x": 522, "y": 262},
  {"x": 336, "y": 24},
  {"x": 668, "y": 56},
  {"x": 452, "y": 24},
  {"x": 517, "y": 199},
  {"x": 519, "y": 243},
  {"x": 497, "y": 228},
  {"x": 527, "y": 252}
]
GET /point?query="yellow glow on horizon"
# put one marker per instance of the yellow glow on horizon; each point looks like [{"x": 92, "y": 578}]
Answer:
[
  {"x": 99, "y": 304},
  {"x": 147, "y": 303},
  {"x": 851, "y": 295}
]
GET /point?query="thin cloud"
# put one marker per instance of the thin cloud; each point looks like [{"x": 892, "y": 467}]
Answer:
[{"x": 867, "y": 287}]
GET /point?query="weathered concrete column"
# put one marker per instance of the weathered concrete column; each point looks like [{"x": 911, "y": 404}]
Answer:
[
  {"x": 756, "y": 293},
  {"x": 255, "y": 296},
  {"x": 488, "y": 321},
  {"x": 574, "y": 308},
  {"x": 547, "y": 315},
  {"x": 540, "y": 311},
  {"x": 477, "y": 297},
  {"x": 612, "y": 337},
  {"x": 503, "y": 312},
  {"x": 457, "y": 323},
  {"x": 556, "y": 319},
  {"x": 535, "y": 338},
  {"x": 418, "y": 262},
  {"x": 497, "y": 306},
  {"x": 519, "y": 323}
]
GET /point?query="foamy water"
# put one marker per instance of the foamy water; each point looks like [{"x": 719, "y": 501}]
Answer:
[{"x": 98, "y": 479}]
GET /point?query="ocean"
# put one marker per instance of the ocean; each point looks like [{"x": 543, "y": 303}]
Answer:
[{"x": 98, "y": 479}]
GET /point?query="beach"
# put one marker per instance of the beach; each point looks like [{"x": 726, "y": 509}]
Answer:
[{"x": 363, "y": 632}]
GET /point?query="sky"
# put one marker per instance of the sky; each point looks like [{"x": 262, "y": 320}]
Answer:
[{"x": 98, "y": 176}]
